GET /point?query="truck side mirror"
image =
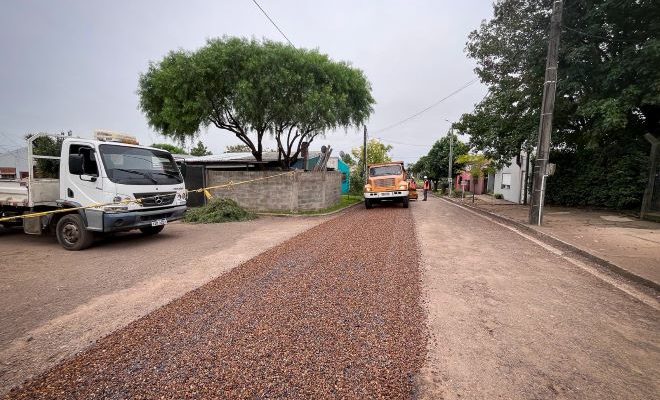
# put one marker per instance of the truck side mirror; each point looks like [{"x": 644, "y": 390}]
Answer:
[{"x": 76, "y": 164}]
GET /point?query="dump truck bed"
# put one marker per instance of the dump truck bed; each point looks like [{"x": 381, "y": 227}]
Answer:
[{"x": 16, "y": 193}]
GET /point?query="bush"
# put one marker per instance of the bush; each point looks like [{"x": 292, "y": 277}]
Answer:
[
  {"x": 218, "y": 210},
  {"x": 613, "y": 177},
  {"x": 498, "y": 196}
]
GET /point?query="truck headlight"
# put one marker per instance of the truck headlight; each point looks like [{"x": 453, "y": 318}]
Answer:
[
  {"x": 367, "y": 188},
  {"x": 403, "y": 187}
]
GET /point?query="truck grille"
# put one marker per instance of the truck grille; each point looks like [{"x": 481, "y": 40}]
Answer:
[
  {"x": 156, "y": 199},
  {"x": 383, "y": 183}
]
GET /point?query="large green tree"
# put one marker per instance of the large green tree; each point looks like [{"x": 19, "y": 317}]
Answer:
[
  {"x": 608, "y": 92},
  {"x": 250, "y": 88},
  {"x": 435, "y": 164}
]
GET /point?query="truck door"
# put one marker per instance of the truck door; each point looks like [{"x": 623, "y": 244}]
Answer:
[{"x": 85, "y": 188}]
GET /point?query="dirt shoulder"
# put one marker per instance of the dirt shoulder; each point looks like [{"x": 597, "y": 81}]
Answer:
[
  {"x": 56, "y": 303},
  {"x": 511, "y": 318}
]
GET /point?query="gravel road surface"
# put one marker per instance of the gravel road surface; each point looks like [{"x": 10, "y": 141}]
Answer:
[
  {"x": 56, "y": 303},
  {"x": 511, "y": 319},
  {"x": 332, "y": 313}
]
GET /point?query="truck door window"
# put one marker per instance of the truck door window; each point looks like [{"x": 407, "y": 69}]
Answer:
[{"x": 89, "y": 158}]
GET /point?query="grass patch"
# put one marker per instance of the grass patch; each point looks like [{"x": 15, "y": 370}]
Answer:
[{"x": 218, "y": 210}]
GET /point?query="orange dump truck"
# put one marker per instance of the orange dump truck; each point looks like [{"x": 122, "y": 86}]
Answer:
[{"x": 386, "y": 183}]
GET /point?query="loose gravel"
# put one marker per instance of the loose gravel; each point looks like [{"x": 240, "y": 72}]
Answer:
[{"x": 333, "y": 313}]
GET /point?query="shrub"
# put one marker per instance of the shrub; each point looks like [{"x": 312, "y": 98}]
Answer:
[
  {"x": 218, "y": 210},
  {"x": 498, "y": 196}
]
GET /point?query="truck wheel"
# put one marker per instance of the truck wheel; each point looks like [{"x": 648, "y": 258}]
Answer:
[
  {"x": 367, "y": 203},
  {"x": 152, "y": 230},
  {"x": 405, "y": 202},
  {"x": 72, "y": 234}
]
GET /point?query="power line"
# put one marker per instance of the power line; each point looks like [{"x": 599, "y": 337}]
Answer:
[
  {"x": 272, "y": 22},
  {"x": 468, "y": 84},
  {"x": 400, "y": 143}
]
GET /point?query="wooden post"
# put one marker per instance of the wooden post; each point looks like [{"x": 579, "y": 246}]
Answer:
[{"x": 653, "y": 170}]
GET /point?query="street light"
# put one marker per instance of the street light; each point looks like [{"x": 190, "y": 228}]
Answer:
[{"x": 451, "y": 150}]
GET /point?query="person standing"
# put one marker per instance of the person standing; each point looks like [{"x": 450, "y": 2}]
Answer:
[{"x": 427, "y": 186}]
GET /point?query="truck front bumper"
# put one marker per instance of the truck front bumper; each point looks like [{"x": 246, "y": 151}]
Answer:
[
  {"x": 390, "y": 195},
  {"x": 124, "y": 221}
]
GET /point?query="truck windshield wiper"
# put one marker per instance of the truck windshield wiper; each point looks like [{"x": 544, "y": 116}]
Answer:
[{"x": 146, "y": 175}]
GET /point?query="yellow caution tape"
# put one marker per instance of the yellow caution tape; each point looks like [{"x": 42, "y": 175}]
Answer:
[{"x": 205, "y": 190}]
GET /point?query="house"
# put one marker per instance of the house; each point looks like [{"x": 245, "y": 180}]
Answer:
[
  {"x": 464, "y": 181},
  {"x": 510, "y": 180},
  {"x": 14, "y": 164}
]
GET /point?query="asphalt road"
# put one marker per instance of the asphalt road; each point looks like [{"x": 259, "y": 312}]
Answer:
[{"x": 514, "y": 319}]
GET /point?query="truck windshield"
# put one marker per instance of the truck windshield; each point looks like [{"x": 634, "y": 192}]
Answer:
[
  {"x": 139, "y": 166},
  {"x": 385, "y": 170}
]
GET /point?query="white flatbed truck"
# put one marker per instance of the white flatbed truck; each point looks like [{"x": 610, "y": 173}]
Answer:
[{"x": 140, "y": 188}]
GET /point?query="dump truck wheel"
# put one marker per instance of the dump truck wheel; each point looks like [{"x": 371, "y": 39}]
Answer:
[
  {"x": 72, "y": 234},
  {"x": 405, "y": 202},
  {"x": 152, "y": 230},
  {"x": 367, "y": 203}
]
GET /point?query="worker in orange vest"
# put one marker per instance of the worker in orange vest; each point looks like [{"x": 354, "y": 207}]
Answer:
[{"x": 427, "y": 186}]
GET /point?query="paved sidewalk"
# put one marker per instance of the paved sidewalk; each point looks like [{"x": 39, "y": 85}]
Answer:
[{"x": 630, "y": 243}]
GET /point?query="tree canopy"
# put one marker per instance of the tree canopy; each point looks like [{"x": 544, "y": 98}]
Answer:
[
  {"x": 250, "y": 88},
  {"x": 436, "y": 163},
  {"x": 172, "y": 148},
  {"x": 237, "y": 148},
  {"x": 200, "y": 150},
  {"x": 608, "y": 91}
]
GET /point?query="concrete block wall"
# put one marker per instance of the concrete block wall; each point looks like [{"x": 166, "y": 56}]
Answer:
[{"x": 298, "y": 191}]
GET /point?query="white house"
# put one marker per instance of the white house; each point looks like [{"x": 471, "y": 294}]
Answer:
[
  {"x": 510, "y": 180},
  {"x": 13, "y": 164}
]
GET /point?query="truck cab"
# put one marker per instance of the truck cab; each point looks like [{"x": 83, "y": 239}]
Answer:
[
  {"x": 107, "y": 184},
  {"x": 386, "y": 182}
]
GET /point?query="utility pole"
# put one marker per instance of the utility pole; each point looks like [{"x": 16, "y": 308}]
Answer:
[
  {"x": 547, "y": 108},
  {"x": 451, "y": 161},
  {"x": 364, "y": 151}
]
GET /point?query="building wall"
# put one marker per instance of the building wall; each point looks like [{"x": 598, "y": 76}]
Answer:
[
  {"x": 297, "y": 191},
  {"x": 511, "y": 192},
  {"x": 346, "y": 179},
  {"x": 16, "y": 160},
  {"x": 477, "y": 186}
]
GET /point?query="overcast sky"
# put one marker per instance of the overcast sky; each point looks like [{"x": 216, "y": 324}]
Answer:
[{"x": 75, "y": 64}]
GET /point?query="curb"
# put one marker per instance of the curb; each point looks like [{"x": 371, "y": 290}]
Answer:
[
  {"x": 552, "y": 240},
  {"x": 309, "y": 215}
]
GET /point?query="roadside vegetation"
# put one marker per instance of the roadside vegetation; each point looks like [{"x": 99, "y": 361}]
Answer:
[
  {"x": 218, "y": 210},
  {"x": 607, "y": 95},
  {"x": 251, "y": 88}
]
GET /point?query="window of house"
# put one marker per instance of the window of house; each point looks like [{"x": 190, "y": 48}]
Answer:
[{"x": 506, "y": 181}]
